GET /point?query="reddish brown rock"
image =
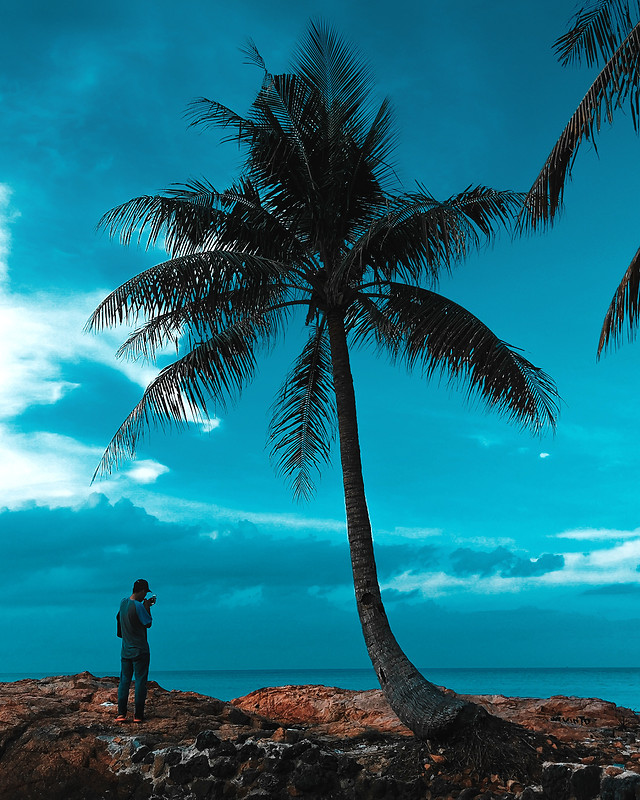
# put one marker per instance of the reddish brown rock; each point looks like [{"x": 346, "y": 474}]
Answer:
[
  {"x": 59, "y": 741},
  {"x": 328, "y": 710},
  {"x": 59, "y": 738},
  {"x": 339, "y": 712}
]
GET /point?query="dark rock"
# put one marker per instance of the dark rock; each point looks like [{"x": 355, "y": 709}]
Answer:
[
  {"x": 180, "y": 774},
  {"x": 269, "y": 782},
  {"x": 173, "y": 757},
  {"x": 248, "y": 751},
  {"x": 139, "y": 754},
  {"x": 384, "y": 789},
  {"x": 229, "y": 791},
  {"x": 314, "y": 755},
  {"x": 196, "y": 767},
  {"x": 414, "y": 790},
  {"x": 571, "y": 781},
  {"x": 143, "y": 791},
  {"x": 280, "y": 766},
  {"x": 349, "y": 767},
  {"x": 531, "y": 793},
  {"x": 248, "y": 777},
  {"x": 199, "y": 766},
  {"x": 620, "y": 787},
  {"x": 262, "y": 733},
  {"x": 295, "y": 750},
  {"x": 227, "y": 748},
  {"x": 208, "y": 706},
  {"x": 439, "y": 787},
  {"x": 223, "y": 767},
  {"x": 311, "y": 777},
  {"x": 237, "y": 717},
  {"x": 202, "y": 789},
  {"x": 207, "y": 740}
]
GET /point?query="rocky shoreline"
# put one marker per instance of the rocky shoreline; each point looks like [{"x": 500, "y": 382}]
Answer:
[{"x": 59, "y": 741}]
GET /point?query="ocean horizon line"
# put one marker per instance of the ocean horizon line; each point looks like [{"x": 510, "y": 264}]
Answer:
[
  {"x": 114, "y": 669},
  {"x": 620, "y": 685}
]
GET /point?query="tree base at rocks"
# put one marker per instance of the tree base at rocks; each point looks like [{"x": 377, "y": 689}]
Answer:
[{"x": 490, "y": 745}]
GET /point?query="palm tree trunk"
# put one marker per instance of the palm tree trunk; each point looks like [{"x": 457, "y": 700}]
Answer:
[{"x": 422, "y": 707}]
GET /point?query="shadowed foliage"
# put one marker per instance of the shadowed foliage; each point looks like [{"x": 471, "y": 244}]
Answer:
[
  {"x": 606, "y": 34},
  {"x": 316, "y": 232}
]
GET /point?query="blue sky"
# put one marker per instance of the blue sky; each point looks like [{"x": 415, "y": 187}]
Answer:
[{"x": 495, "y": 548}]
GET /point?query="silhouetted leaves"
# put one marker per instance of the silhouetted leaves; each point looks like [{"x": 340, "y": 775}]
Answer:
[{"x": 314, "y": 221}]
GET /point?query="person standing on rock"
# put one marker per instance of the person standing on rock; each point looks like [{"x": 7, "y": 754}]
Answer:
[{"x": 134, "y": 617}]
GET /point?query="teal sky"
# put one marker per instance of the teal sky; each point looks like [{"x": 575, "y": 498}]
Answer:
[{"x": 495, "y": 548}]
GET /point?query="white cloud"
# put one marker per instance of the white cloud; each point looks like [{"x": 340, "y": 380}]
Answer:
[
  {"x": 400, "y": 532},
  {"x": 598, "y": 534},
  {"x": 545, "y": 455},
  {"x": 430, "y": 584},
  {"x": 43, "y": 467},
  {"x": 485, "y": 440},
  {"x": 209, "y": 425},
  {"x": 604, "y": 566},
  {"x": 146, "y": 471},
  {"x": 41, "y": 333},
  {"x": 5, "y": 238},
  {"x": 176, "y": 509},
  {"x": 484, "y": 542},
  {"x": 238, "y": 598},
  {"x": 612, "y": 565},
  {"x": 39, "y": 336},
  {"x": 55, "y": 470}
]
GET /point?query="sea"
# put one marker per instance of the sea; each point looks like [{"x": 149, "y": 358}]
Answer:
[{"x": 620, "y": 685}]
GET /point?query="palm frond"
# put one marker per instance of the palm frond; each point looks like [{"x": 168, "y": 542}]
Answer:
[
  {"x": 624, "y": 309},
  {"x": 418, "y": 236},
  {"x": 211, "y": 114},
  {"x": 596, "y": 31},
  {"x": 194, "y": 320},
  {"x": 214, "y": 371},
  {"x": 379, "y": 143},
  {"x": 303, "y": 420},
  {"x": 367, "y": 322},
  {"x": 282, "y": 108},
  {"x": 488, "y": 210},
  {"x": 336, "y": 70},
  {"x": 206, "y": 282},
  {"x": 617, "y": 84},
  {"x": 155, "y": 334},
  {"x": 440, "y": 337},
  {"x": 183, "y": 221},
  {"x": 252, "y": 55},
  {"x": 194, "y": 216}
]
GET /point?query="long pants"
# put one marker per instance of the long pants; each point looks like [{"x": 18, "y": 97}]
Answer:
[{"x": 138, "y": 669}]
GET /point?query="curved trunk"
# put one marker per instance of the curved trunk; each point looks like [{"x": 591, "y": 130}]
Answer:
[{"x": 422, "y": 707}]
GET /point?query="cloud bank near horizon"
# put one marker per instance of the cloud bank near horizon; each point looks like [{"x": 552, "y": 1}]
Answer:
[{"x": 244, "y": 577}]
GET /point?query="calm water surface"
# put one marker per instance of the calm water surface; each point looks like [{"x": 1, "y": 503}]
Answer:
[{"x": 619, "y": 685}]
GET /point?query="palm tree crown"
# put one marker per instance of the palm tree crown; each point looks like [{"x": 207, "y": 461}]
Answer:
[
  {"x": 315, "y": 223},
  {"x": 606, "y": 34}
]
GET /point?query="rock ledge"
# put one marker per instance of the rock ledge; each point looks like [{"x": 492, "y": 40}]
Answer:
[{"x": 59, "y": 741}]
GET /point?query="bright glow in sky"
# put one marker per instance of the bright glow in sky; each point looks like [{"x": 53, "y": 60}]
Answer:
[{"x": 494, "y": 548}]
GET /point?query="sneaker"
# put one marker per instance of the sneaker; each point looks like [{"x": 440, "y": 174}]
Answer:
[{"x": 121, "y": 718}]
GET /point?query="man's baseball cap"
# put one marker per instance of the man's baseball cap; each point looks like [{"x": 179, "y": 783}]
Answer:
[{"x": 141, "y": 585}]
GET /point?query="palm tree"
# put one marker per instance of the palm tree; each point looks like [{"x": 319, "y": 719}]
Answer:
[
  {"x": 605, "y": 33},
  {"x": 316, "y": 224}
]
